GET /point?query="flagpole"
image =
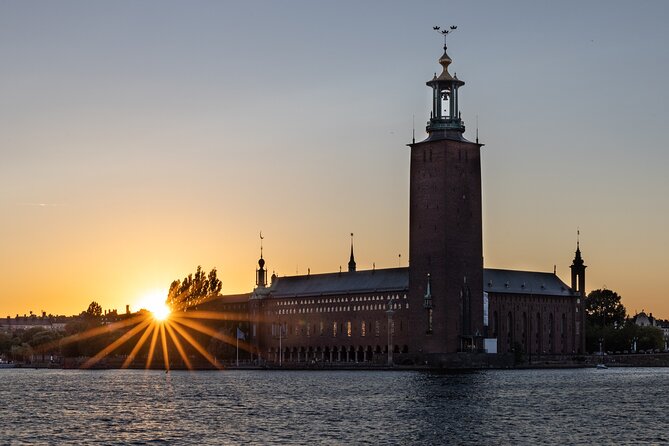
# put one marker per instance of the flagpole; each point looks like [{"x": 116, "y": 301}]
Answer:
[{"x": 237, "y": 347}]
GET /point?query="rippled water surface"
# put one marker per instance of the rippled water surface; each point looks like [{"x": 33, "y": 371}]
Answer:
[{"x": 585, "y": 406}]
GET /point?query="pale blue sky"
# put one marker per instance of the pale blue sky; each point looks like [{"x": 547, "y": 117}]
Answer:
[{"x": 164, "y": 135}]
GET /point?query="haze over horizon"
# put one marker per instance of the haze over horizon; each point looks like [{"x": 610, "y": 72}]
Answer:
[{"x": 140, "y": 140}]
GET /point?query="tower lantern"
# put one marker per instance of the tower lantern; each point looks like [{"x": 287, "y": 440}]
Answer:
[{"x": 445, "y": 115}]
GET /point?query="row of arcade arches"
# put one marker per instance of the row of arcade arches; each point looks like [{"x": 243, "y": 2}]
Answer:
[{"x": 334, "y": 353}]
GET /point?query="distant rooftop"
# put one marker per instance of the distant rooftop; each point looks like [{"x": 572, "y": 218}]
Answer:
[{"x": 524, "y": 282}]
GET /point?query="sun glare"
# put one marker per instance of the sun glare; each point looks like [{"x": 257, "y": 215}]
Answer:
[
  {"x": 155, "y": 303},
  {"x": 158, "y": 334}
]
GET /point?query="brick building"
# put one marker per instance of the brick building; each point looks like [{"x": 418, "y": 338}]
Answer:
[{"x": 445, "y": 304}]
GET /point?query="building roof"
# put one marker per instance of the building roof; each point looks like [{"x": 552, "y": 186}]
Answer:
[
  {"x": 524, "y": 282},
  {"x": 369, "y": 281},
  {"x": 397, "y": 279}
]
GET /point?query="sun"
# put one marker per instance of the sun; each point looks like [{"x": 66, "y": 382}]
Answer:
[{"x": 154, "y": 302}]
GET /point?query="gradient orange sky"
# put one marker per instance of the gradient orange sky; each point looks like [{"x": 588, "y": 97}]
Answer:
[{"x": 141, "y": 139}]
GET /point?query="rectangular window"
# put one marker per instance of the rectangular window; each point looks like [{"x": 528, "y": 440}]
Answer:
[
  {"x": 377, "y": 328},
  {"x": 363, "y": 329},
  {"x": 348, "y": 329},
  {"x": 321, "y": 328},
  {"x": 308, "y": 330},
  {"x": 334, "y": 329}
]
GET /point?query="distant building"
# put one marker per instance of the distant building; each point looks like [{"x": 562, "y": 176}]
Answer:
[
  {"x": 441, "y": 308},
  {"x": 26, "y": 322},
  {"x": 647, "y": 320},
  {"x": 644, "y": 320}
]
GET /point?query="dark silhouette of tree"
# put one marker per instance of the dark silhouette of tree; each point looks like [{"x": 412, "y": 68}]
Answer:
[
  {"x": 94, "y": 310},
  {"x": 603, "y": 308},
  {"x": 193, "y": 290}
]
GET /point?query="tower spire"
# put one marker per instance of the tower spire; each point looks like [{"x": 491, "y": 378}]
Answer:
[
  {"x": 351, "y": 262},
  {"x": 261, "y": 239}
]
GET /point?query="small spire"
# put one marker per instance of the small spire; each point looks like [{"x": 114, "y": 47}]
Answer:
[
  {"x": 261, "y": 239},
  {"x": 351, "y": 262},
  {"x": 427, "y": 299},
  {"x": 477, "y": 129}
]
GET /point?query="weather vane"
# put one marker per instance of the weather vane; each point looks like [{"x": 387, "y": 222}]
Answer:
[{"x": 445, "y": 32}]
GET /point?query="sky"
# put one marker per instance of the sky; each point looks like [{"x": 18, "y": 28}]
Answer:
[{"x": 139, "y": 140}]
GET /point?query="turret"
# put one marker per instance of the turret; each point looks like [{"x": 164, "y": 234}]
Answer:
[
  {"x": 578, "y": 271},
  {"x": 261, "y": 273}
]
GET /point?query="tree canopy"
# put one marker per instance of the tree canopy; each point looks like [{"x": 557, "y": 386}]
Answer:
[
  {"x": 193, "y": 290},
  {"x": 603, "y": 308},
  {"x": 94, "y": 310}
]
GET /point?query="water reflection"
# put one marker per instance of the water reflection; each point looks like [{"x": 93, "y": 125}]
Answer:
[{"x": 334, "y": 407}]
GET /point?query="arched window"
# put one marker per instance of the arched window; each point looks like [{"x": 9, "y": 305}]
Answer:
[
  {"x": 538, "y": 332},
  {"x": 525, "y": 336},
  {"x": 509, "y": 331},
  {"x": 551, "y": 333}
]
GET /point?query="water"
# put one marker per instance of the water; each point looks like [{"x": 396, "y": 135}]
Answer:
[{"x": 584, "y": 406}]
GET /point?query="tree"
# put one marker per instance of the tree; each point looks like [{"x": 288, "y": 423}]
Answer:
[
  {"x": 193, "y": 290},
  {"x": 94, "y": 310},
  {"x": 603, "y": 308}
]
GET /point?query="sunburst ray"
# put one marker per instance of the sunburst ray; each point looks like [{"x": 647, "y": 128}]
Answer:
[
  {"x": 163, "y": 340},
  {"x": 91, "y": 332},
  {"x": 152, "y": 347},
  {"x": 137, "y": 346},
  {"x": 177, "y": 344},
  {"x": 213, "y": 333},
  {"x": 195, "y": 344},
  {"x": 211, "y": 315},
  {"x": 125, "y": 337}
]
